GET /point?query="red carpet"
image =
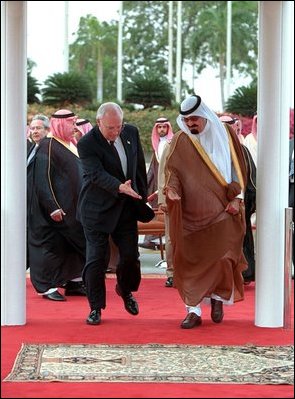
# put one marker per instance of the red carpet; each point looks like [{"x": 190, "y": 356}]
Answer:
[{"x": 161, "y": 312}]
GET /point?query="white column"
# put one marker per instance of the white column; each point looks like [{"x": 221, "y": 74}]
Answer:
[
  {"x": 228, "y": 49},
  {"x": 13, "y": 161},
  {"x": 170, "y": 43},
  {"x": 120, "y": 52},
  {"x": 275, "y": 31},
  {"x": 178, "y": 54}
]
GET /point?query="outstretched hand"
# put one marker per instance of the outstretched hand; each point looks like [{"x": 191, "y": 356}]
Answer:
[
  {"x": 57, "y": 215},
  {"x": 233, "y": 207},
  {"x": 125, "y": 188},
  {"x": 172, "y": 194}
]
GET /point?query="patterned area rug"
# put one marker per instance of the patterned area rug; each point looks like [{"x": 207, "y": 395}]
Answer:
[{"x": 154, "y": 363}]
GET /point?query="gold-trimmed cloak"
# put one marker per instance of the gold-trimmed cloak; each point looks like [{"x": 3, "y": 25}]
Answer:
[{"x": 207, "y": 241}]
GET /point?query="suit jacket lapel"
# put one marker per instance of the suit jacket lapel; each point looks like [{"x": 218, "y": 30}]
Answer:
[
  {"x": 31, "y": 154},
  {"x": 102, "y": 141}
]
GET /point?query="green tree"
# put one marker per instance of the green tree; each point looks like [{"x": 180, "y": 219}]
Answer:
[
  {"x": 145, "y": 36},
  {"x": 94, "y": 53},
  {"x": 32, "y": 84},
  {"x": 243, "y": 101},
  {"x": 204, "y": 26},
  {"x": 67, "y": 88},
  {"x": 148, "y": 90},
  {"x": 207, "y": 42},
  {"x": 145, "y": 42},
  {"x": 145, "y": 33}
]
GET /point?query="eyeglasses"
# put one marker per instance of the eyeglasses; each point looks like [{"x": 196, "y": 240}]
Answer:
[
  {"x": 36, "y": 127},
  {"x": 110, "y": 128}
]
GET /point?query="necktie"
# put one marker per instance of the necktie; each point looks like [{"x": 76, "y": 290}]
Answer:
[{"x": 115, "y": 152}]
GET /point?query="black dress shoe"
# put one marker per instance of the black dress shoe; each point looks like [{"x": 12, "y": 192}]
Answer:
[
  {"x": 129, "y": 301},
  {"x": 191, "y": 320},
  {"x": 148, "y": 245},
  {"x": 75, "y": 288},
  {"x": 216, "y": 310},
  {"x": 169, "y": 282},
  {"x": 94, "y": 317},
  {"x": 54, "y": 296}
]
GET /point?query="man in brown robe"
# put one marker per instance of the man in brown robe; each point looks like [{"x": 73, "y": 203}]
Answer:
[{"x": 205, "y": 180}]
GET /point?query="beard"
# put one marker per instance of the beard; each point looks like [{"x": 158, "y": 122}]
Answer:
[{"x": 194, "y": 130}]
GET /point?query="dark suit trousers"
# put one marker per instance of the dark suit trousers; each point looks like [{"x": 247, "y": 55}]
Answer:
[{"x": 125, "y": 236}]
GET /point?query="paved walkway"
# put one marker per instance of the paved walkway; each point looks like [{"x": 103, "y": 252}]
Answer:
[{"x": 150, "y": 260}]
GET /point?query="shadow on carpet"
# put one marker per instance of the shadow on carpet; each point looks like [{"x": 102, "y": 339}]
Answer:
[{"x": 154, "y": 363}]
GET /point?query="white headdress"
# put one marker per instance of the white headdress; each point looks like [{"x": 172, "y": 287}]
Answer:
[{"x": 213, "y": 138}]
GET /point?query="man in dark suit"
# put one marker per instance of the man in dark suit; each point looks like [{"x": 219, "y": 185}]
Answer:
[{"x": 113, "y": 197}]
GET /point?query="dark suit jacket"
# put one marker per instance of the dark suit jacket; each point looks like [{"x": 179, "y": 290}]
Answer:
[{"x": 100, "y": 203}]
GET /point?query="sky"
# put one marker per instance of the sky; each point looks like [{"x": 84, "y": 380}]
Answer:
[{"x": 45, "y": 30}]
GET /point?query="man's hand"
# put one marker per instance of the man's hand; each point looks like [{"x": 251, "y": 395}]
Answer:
[
  {"x": 57, "y": 215},
  {"x": 172, "y": 194},
  {"x": 233, "y": 207},
  {"x": 152, "y": 196},
  {"x": 125, "y": 188}
]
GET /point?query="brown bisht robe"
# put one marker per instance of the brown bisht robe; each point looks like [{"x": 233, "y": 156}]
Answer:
[{"x": 207, "y": 241}]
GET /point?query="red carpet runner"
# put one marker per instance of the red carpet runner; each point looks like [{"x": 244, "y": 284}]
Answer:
[{"x": 161, "y": 312}]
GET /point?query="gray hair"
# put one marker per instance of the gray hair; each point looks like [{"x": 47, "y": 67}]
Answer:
[
  {"x": 107, "y": 107},
  {"x": 43, "y": 118}
]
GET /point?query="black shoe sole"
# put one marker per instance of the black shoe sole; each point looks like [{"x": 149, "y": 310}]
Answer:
[
  {"x": 126, "y": 307},
  {"x": 92, "y": 323},
  {"x": 59, "y": 298}
]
